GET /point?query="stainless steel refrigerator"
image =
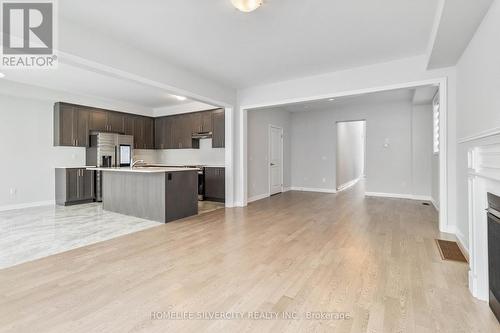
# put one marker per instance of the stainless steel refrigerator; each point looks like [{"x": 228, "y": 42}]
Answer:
[{"x": 108, "y": 150}]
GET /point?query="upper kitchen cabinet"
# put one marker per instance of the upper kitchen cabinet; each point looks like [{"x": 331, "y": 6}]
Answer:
[
  {"x": 219, "y": 129},
  {"x": 176, "y": 132},
  {"x": 71, "y": 125},
  {"x": 206, "y": 122},
  {"x": 99, "y": 120},
  {"x": 160, "y": 135},
  {"x": 149, "y": 133},
  {"x": 107, "y": 121},
  {"x": 201, "y": 122},
  {"x": 128, "y": 125},
  {"x": 116, "y": 122},
  {"x": 143, "y": 133}
]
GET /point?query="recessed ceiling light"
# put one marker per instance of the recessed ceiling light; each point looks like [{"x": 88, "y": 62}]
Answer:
[
  {"x": 331, "y": 99},
  {"x": 247, "y": 5},
  {"x": 180, "y": 98}
]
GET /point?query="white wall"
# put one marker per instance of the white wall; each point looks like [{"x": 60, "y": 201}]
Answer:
[
  {"x": 422, "y": 158},
  {"x": 478, "y": 102},
  {"x": 407, "y": 72},
  {"x": 388, "y": 169},
  {"x": 28, "y": 155},
  {"x": 350, "y": 151},
  {"x": 258, "y": 149},
  {"x": 206, "y": 155},
  {"x": 182, "y": 108}
]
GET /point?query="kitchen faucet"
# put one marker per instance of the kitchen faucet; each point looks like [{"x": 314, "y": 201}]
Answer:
[{"x": 136, "y": 162}]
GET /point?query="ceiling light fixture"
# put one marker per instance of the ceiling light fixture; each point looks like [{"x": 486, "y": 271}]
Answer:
[
  {"x": 180, "y": 98},
  {"x": 331, "y": 99},
  {"x": 247, "y": 5},
  {"x": 2, "y": 75}
]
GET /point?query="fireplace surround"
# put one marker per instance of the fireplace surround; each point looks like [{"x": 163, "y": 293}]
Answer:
[
  {"x": 494, "y": 253},
  {"x": 484, "y": 204}
]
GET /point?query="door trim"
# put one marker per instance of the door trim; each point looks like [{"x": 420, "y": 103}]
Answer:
[
  {"x": 444, "y": 224},
  {"x": 269, "y": 158}
]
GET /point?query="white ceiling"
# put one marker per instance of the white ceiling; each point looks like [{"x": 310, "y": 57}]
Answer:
[
  {"x": 283, "y": 39},
  {"x": 455, "y": 26},
  {"x": 371, "y": 98},
  {"x": 424, "y": 95},
  {"x": 85, "y": 82}
]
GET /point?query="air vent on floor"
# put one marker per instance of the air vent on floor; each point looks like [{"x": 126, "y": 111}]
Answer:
[{"x": 425, "y": 204}]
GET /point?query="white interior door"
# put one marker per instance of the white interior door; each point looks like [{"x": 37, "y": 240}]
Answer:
[{"x": 275, "y": 160}]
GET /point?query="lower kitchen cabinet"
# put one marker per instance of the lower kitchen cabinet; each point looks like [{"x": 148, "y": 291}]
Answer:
[
  {"x": 215, "y": 184},
  {"x": 74, "y": 186}
]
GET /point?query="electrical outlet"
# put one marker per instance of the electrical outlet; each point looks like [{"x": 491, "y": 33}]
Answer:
[
  {"x": 324, "y": 180},
  {"x": 13, "y": 191}
]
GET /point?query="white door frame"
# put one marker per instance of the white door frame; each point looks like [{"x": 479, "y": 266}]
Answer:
[
  {"x": 442, "y": 83},
  {"x": 336, "y": 153},
  {"x": 269, "y": 158}
]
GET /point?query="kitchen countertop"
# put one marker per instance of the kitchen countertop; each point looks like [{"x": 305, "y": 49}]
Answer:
[
  {"x": 76, "y": 167},
  {"x": 184, "y": 165},
  {"x": 154, "y": 169}
]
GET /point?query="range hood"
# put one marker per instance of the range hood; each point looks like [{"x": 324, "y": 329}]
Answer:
[{"x": 202, "y": 135}]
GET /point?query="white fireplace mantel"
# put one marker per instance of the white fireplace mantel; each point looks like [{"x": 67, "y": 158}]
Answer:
[{"x": 483, "y": 177}]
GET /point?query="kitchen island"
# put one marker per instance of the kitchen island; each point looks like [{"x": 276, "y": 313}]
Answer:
[{"x": 155, "y": 193}]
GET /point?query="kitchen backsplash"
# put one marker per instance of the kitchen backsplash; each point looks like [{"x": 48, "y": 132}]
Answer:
[{"x": 206, "y": 155}]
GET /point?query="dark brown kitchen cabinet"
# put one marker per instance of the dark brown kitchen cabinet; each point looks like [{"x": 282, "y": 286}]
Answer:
[
  {"x": 138, "y": 133},
  {"x": 201, "y": 122},
  {"x": 116, "y": 122},
  {"x": 219, "y": 129},
  {"x": 206, "y": 121},
  {"x": 71, "y": 125},
  {"x": 74, "y": 186},
  {"x": 107, "y": 121},
  {"x": 99, "y": 120},
  {"x": 128, "y": 125},
  {"x": 149, "y": 133},
  {"x": 178, "y": 132},
  {"x": 170, "y": 133},
  {"x": 160, "y": 135},
  {"x": 215, "y": 184},
  {"x": 143, "y": 133}
]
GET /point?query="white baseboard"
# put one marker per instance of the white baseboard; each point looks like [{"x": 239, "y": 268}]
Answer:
[
  {"x": 286, "y": 189},
  {"x": 434, "y": 204},
  {"x": 310, "y": 189},
  {"x": 349, "y": 184},
  {"x": 258, "y": 197},
  {"x": 27, "y": 205},
  {"x": 399, "y": 196}
]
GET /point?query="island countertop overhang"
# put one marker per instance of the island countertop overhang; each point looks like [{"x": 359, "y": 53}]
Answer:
[{"x": 142, "y": 169}]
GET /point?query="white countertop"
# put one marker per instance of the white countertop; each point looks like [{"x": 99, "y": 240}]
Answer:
[
  {"x": 77, "y": 167},
  {"x": 184, "y": 165},
  {"x": 143, "y": 169}
]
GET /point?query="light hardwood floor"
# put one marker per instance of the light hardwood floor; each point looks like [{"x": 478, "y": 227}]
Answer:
[{"x": 298, "y": 252}]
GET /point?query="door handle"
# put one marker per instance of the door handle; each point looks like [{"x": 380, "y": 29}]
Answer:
[{"x": 272, "y": 164}]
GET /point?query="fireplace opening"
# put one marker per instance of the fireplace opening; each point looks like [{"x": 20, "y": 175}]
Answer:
[{"x": 494, "y": 253}]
